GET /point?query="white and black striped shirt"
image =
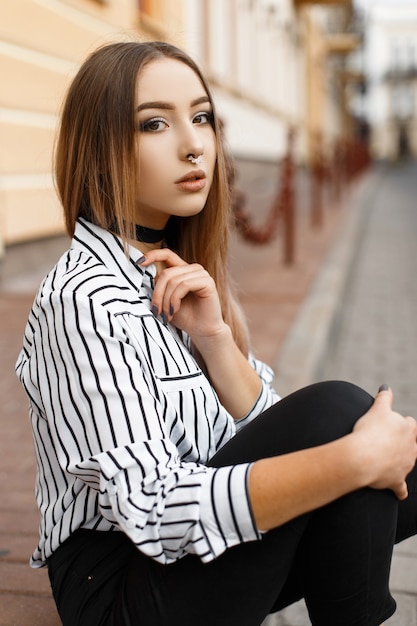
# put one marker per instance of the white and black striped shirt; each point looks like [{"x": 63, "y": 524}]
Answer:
[{"x": 123, "y": 418}]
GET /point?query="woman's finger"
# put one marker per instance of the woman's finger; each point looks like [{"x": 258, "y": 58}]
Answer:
[
  {"x": 164, "y": 255},
  {"x": 402, "y": 491},
  {"x": 190, "y": 278}
]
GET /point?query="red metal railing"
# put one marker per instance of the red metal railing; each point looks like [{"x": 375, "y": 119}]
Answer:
[{"x": 330, "y": 173}]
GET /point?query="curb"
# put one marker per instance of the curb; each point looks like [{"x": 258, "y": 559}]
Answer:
[{"x": 299, "y": 362}]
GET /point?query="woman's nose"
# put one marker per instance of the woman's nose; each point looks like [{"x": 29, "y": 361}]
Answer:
[{"x": 193, "y": 143}]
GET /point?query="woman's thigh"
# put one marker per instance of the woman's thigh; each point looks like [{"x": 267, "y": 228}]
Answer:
[{"x": 345, "y": 551}]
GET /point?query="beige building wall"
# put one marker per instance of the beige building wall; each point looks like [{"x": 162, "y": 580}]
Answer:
[{"x": 42, "y": 43}]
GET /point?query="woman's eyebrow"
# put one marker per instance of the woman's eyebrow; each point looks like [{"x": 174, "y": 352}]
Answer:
[
  {"x": 155, "y": 105},
  {"x": 200, "y": 100},
  {"x": 159, "y": 104}
]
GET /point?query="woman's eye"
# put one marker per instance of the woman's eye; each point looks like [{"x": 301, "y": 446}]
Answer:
[
  {"x": 203, "y": 118},
  {"x": 154, "y": 125}
]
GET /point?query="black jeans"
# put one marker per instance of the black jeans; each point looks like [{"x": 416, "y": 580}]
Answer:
[{"x": 337, "y": 557}]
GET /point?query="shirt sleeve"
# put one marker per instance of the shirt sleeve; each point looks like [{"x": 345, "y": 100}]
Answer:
[
  {"x": 267, "y": 395},
  {"x": 105, "y": 414}
]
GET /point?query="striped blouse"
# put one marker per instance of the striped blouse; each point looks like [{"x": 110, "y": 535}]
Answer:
[{"x": 123, "y": 418}]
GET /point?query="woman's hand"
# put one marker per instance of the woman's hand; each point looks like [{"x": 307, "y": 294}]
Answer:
[
  {"x": 186, "y": 294},
  {"x": 389, "y": 442}
]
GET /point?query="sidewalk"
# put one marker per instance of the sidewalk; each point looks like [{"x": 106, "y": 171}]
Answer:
[
  {"x": 359, "y": 324},
  {"x": 291, "y": 312}
]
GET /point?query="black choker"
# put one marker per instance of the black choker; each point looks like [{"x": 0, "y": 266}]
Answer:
[
  {"x": 145, "y": 234},
  {"x": 149, "y": 235}
]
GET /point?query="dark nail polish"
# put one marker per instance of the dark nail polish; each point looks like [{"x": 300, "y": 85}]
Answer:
[
  {"x": 171, "y": 310},
  {"x": 154, "y": 310},
  {"x": 164, "y": 319},
  {"x": 140, "y": 260},
  {"x": 383, "y": 387}
]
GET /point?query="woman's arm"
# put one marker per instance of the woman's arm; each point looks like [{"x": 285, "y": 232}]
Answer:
[
  {"x": 187, "y": 295},
  {"x": 379, "y": 453},
  {"x": 234, "y": 379}
]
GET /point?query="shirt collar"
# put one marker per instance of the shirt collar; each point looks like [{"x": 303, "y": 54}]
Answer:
[{"x": 108, "y": 249}]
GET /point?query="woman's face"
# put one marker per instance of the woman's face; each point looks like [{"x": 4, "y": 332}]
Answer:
[{"x": 174, "y": 116}]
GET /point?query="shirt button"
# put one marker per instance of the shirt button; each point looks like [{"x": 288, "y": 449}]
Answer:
[{"x": 130, "y": 523}]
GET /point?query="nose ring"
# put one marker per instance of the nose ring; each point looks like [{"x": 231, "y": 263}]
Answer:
[{"x": 194, "y": 159}]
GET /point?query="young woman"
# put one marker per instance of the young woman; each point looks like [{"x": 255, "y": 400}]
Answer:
[{"x": 174, "y": 487}]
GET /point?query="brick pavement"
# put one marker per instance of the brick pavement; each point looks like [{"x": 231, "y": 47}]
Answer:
[{"x": 271, "y": 295}]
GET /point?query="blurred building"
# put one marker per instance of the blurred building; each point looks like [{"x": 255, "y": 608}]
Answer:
[
  {"x": 273, "y": 64},
  {"x": 390, "y": 64}
]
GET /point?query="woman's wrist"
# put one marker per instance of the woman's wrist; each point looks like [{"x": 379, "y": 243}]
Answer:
[
  {"x": 215, "y": 339},
  {"x": 361, "y": 454}
]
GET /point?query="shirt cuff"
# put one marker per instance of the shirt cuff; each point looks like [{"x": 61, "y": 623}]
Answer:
[
  {"x": 266, "y": 398},
  {"x": 226, "y": 515}
]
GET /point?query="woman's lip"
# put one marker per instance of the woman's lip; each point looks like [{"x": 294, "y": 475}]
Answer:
[
  {"x": 192, "y": 184},
  {"x": 192, "y": 175},
  {"x": 194, "y": 180}
]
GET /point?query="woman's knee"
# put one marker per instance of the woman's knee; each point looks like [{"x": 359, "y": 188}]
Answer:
[{"x": 325, "y": 411}]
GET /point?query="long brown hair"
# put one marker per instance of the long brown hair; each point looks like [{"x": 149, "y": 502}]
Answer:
[{"x": 95, "y": 164}]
